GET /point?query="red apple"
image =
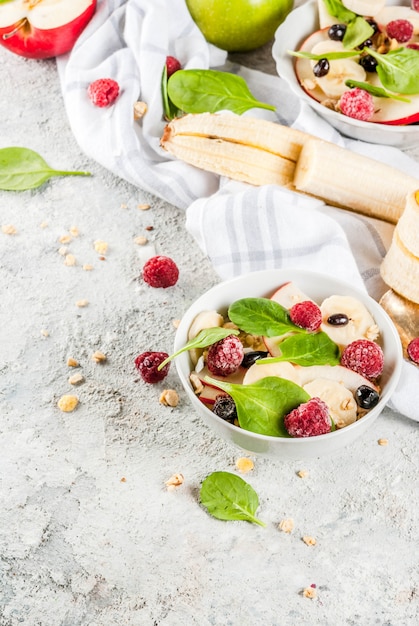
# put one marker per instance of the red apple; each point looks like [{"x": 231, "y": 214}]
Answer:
[{"x": 41, "y": 29}]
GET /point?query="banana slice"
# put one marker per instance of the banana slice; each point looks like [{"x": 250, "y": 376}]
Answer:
[
  {"x": 360, "y": 325},
  {"x": 341, "y": 403},
  {"x": 282, "y": 369},
  {"x": 400, "y": 269},
  {"x": 364, "y": 7},
  {"x": 205, "y": 319},
  {"x": 340, "y": 70},
  {"x": 408, "y": 224}
]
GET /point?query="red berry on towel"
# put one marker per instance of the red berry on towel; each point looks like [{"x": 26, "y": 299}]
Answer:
[
  {"x": 225, "y": 356},
  {"x": 172, "y": 65},
  {"x": 160, "y": 271},
  {"x": 306, "y": 315},
  {"x": 309, "y": 419},
  {"x": 357, "y": 103},
  {"x": 365, "y": 357},
  {"x": 401, "y": 30},
  {"x": 147, "y": 364},
  {"x": 103, "y": 92},
  {"x": 413, "y": 350}
]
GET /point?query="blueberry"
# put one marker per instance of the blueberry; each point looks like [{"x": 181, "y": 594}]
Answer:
[
  {"x": 338, "y": 319},
  {"x": 337, "y": 32},
  {"x": 251, "y": 357},
  {"x": 368, "y": 63},
  {"x": 321, "y": 68},
  {"x": 224, "y": 407},
  {"x": 366, "y": 397}
]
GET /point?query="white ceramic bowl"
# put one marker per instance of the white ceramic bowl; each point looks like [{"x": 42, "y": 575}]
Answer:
[
  {"x": 298, "y": 25},
  {"x": 318, "y": 287}
]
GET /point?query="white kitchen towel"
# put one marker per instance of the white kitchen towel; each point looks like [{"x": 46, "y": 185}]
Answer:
[{"x": 240, "y": 228}]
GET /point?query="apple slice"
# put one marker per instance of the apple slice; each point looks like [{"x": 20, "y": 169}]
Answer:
[
  {"x": 388, "y": 111},
  {"x": 283, "y": 369},
  {"x": 41, "y": 29},
  {"x": 236, "y": 378},
  {"x": 209, "y": 394},
  {"x": 348, "y": 378}
]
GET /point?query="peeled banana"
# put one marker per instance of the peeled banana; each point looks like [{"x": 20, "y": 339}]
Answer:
[
  {"x": 260, "y": 152},
  {"x": 400, "y": 267}
]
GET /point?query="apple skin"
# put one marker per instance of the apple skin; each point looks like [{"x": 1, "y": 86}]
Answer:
[
  {"x": 36, "y": 43},
  {"x": 239, "y": 25}
]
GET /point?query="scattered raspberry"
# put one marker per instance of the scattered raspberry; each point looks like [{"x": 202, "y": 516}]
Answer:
[
  {"x": 306, "y": 315},
  {"x": 172, "y": 65},
  {"x": 147, "y": 364},
  {"x": 365, "y": 357},
  {"x": 415, "y": 5},
  {"x": 401, "y": 30},
  {"x": 103, "y": 92},
  {"x": 160, "y": 271},
  {"x": 413, "y": 350},
  {"x": 225, "y": 356},
  {"x": 309, "y": 419},
  {"x": 357, "y": 103}
]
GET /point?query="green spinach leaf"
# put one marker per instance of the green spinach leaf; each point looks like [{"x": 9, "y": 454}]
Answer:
[
  {"x": 338, "y": 10},
  {"x": 205, "y": 338},
  {"x": 378, "y": 92},
  {"x": 209, "y": 91},
  {"x": 229, "y": 497},
  {"x": 308, "y": 349},
  {"x": 398, "y": 70},
  {"x": 22, "y": 168},
  {"x": 261, "y": 316},
  {"x": 331, "y": 56},
  {"x": 169, "y": 109},
  {"x": 261, "y": 406},
  {"x": 357, "y": 31}
]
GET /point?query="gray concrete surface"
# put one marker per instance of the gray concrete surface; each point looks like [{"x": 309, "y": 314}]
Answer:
[{"x": 89, "y": 533}]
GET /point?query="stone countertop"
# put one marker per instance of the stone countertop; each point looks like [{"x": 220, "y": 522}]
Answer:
[{"x": 90, "y": 535}]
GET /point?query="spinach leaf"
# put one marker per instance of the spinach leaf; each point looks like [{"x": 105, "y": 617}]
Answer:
[
  {"x": 398, "y": 70},
  {"x": 209, "y": 91},
  {"x": 261, "y": 406},
  {"x": 331, "y": 56},
  {"x": 338, "y": 10},
  {"x": 378, "y": 92},
  {"x": 261, "y": 316},
  {"x": 205, "y": 338},
  {"x": 169, "y": 109},
  {"x": 229, "y": 497},
  {"x": 308, "y": 349},
  {"x": 357, "y": 31},
  {"x": 22, "y": 168}
]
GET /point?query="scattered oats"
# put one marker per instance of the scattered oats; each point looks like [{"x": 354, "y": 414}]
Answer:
[
  {"x": 302, "y": 473},
  {"x": 76, "y": 379},
  {"x": 169, "y": 397},
  {"x": 143, "y": 207},
  {"x": 286, "y": 525},
  {"x": 67, "y": 403},
  {"x": 9, "y": 229},
  {"x": 140, "y": 109},
  {"x": 87, "y": 267},
  {"x": 176, "y": 480},
  {"x": 123, "y": 479},
  {"x": 176, "y": 323},
  {"x": 99, "y": 357},
  {"x": 124, "y": 205},
  {"x": 82, "y": 303},
  {"x": 230, "y": 325},
  {"x": 383, "y": 442},
  {"x": 43, "y": 224},
  {"x": 69, "y": 260},
  {"x": 102, "y": 258},
  {"x": 309, "y": 592},
  {"x": 244, "y": 464},
  {"x": 309, "y": 541},
  {"x": 196, "y": 383},
  {"x": 45, "y": 333},
  {"x": 101, "y": 246},
  {"x": 72, "y": 362},
  {"x": 63, "y": 250},
  {"x": 140, "y": 240},
  {"x": 149, "y": 227},
  {"x": 74, "y": 231},
  {"x": 65, "y": 239}
]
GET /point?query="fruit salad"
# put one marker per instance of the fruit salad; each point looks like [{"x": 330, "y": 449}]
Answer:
[
  {"x": 287, "y": 366},
  {"x": 363, "y": 61}
]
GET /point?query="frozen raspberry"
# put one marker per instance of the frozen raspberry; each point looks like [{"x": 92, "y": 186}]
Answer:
[
  {"x": 309, "y": 419},
  {"x": 225, "y": 407},
  {"x": 415, "y": 5},
  {"x": 413, "y": 350},
  {"x": 147, "y": 364},
  {"x": 225, "y": 356},
  {"x": 357, "y": 103},
  {"x": 306, "y": 315},
  {"x": 160, "y": 271},
  {"x": 103, "y": 92},
  {"x": 365, "y": 357},
  {"x": 401, "y": 30},
  {"x": 172, "y": 66}
]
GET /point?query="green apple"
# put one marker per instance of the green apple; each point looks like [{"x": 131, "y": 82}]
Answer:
[{"x": 239, "y": 25}]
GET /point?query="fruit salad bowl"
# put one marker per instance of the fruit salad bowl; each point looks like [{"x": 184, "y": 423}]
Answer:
[
  {"x": 397, "y": 120},
  {"x": 286, "y": 287}
]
